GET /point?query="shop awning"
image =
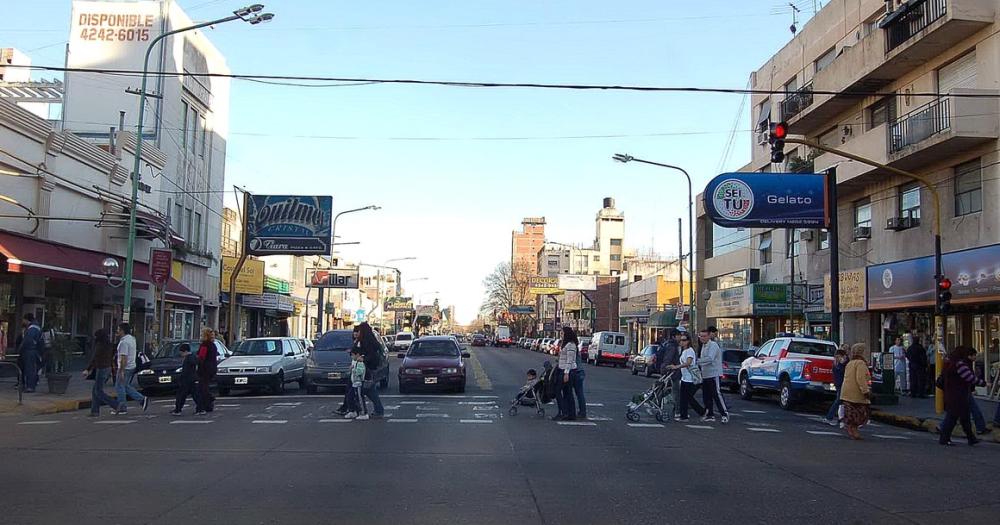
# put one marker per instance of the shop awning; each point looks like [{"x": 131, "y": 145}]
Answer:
[{"x": 663, "y": 319}]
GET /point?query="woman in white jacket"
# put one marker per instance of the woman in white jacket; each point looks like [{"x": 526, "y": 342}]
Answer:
[{"x": 567, "y": 367}]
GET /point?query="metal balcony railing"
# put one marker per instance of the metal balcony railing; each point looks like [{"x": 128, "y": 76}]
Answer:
[
  {"x": 910, "y": 19},
  {"x": 919, "y": 124},
  {"x": 795, "y": 102}
]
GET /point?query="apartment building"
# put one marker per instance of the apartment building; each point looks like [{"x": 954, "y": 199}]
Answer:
[{"x": 913, "y": 85}]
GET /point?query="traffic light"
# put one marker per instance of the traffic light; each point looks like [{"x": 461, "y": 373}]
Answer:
[
  {"x": 776, "y": 138},
  {"x": 944, "y": 296}
]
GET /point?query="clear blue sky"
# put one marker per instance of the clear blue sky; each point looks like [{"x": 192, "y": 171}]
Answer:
[{"x": 452, "y": 203}]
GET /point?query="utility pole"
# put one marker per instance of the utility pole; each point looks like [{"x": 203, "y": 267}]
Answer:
[
  {"x": 233, "y": 304},
  {"x": 680, "y": 272}
]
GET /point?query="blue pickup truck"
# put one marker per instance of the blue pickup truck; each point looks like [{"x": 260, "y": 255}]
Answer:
[{"x": 794, "y": 367}]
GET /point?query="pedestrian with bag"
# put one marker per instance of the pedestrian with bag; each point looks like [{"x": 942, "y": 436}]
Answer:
[
  {"x": 711, "y": 370},
  {"x": 30, "y": 352},
  {"x": 126, "y": 362},
  {"x": 840, "y": 361},
  {"x": 577, "y": 378},
  {"x": 567, "y": 370},
  {"x": 957, "y": 381},
  {"x": 917, "y": 356},
  {"x": 856, "y": 392},
  {"x": 371, "y": 348},
  {"x": 100, "y": 370},
  {"x": 208, "y": 365},
  {"x": 690, "y": 378},
  {"x": 187, "y": 381},
  {"x": 899, "y": 365}
]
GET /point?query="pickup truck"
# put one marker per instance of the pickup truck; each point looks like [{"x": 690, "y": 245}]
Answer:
[{"x": 791, "y": 366}]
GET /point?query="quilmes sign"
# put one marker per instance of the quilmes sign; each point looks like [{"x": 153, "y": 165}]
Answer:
[
  {"x": 289, "y": 225},
  {"x": 766, "y": 200}
]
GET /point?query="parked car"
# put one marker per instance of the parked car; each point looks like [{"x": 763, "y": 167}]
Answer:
[
  {"x": 263, "y": 362},
  {"x": 520, "y": 342},
  {"x": 329, "y": 363},
  {"x": 543, "y": 346},
  {"x": 433, "y": 363},
  {"x": 645, "y": 361},
  {"x": 478, "y": 340},
  {"x": 792, "y": 366},
  {"x": 536, "y": 344},
  {"x": 584, "y": 347},
  {"x": 554, "y": 347},
  {"x": 608, "y": 348},
  {"x": 732, "y": 360},
  {"x": 402, "y": 341},
  {"x": 307, "y": 344},
  {"x": 503, "y": 337},
  {"x": 160, "y": 373}
]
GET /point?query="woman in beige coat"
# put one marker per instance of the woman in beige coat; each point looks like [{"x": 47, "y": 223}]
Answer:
[{"x": 856, "y": 394}]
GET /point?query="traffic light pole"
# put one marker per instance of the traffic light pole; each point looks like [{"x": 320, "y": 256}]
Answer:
[{"x": 938, "y": 269}]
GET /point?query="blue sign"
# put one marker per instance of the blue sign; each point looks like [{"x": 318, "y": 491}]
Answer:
[
  {"x": 974, "y": 274},
  {"x": 767, "y": 200},
  {"x": 519, "y": 309},
  {"x": 359, "y": 316},
  {"x": 289, "y": 225}
]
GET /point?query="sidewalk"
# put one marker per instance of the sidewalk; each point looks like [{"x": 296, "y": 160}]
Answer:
[
  {"x": 77, "y": 396},
  {"x": 919, "y": 414}
]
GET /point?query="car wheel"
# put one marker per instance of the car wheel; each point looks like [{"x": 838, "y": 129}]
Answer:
[
  {"x": 746, "y": 391},
  {"x": 786, "y": 396},
  {"x": 223, "y": 391},
  {"x": 634, "y": 371},
  {"x": 279, "y": 384}
]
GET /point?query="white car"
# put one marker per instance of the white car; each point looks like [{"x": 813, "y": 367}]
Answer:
[
  {"x": 402, "y": 342},
  {"x": 263, "y": 362}
]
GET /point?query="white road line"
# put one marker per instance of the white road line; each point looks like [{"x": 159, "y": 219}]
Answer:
[
  {"x": 402, "y": 420},
  {"x": 413, "y": 402},
  {"x": 336, "y": 420},
  {"x": 226, "y": 406},
  {"x": 391, "y": 407},
  {"x": 595, "y": 404},
  {"x": 800, "y": 414},
  {"x": 286, "y": 404},
  {"x": 884, "y": 436},
  {"x": 433, "y": 415},
  {"x": 115, "y": 422},
  {"x": 475, "y": 420},
  {"x": 477, "y": 402},
  {"x": 270, "y": 421},
  {"x": 577, "y": 423},
  {"x": 757, "y": 424},
  {"x": 163, "y": 401},
  {"x": 599, "y": 419},
  {"x": 191, "y": 422},
  {"x": 823, "y": 433},
  {"x": 645, "y": 425},
  {"x": 38, "y": 423},
  {"x": 752, "y": 429},
  {"x": 484, "y": 397},
  {"x": 701, "y": 427},
  {"x": 753, "y": 411}
]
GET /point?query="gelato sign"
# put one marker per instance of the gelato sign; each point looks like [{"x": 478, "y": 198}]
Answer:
[
  {"x": 289, "y": 225},
  {"x": 767, "y": 200}
]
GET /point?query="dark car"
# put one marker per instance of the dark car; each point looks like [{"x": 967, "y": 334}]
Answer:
[
  {"x": 645, "y": 361},
  {"x": 329, "y": 363},
  {"x": 433, "y": 363},
  {"x": 160, "y": 374},
  {"x": 479, "y": 340},
  {"x": 731, "y": 362}
]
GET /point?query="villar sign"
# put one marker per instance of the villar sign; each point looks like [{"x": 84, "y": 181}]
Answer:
[
  {"x": 333, "y": 278},
  {"x": 767, "y": 200}
]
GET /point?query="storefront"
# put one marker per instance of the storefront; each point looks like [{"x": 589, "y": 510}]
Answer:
[
  {"x": 755, "y": 313},
  {"x": 265, "y": 315}
]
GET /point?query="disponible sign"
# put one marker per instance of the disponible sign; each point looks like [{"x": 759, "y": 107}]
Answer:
[
  {"x": 289, "y": 225},
  {"x": 853, "y": 291},
  {"x": 974, "y": 274},
  {"x": 767, "y": 200},
  {"x": 544, "y": 286}
]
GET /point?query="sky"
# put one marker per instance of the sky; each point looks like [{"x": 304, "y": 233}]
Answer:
[{"x": 456, "y": 169}]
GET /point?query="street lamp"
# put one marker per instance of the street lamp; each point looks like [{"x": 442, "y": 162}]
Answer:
[
  {"x": 320, "y": 296},
  {"x": 250, "y": 14},
  {"x": 623, "y": 158}
]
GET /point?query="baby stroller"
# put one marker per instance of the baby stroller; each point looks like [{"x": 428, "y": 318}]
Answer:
[
  {"x": 534, "y": 395},
  {"x": 658, "y": 401}
]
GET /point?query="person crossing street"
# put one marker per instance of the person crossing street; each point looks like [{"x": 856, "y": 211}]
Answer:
[{"x": 711, "y": 369}]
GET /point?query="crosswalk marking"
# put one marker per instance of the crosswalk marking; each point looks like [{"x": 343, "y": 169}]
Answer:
[
  {"x": 37, "y": 422},
  {"x": 753, "y": 411},
  {"x": 595, "y": 404},
  {"x": 700, "y": 427},
  {"x": 335, "y": 420},
  {"x": 885, "y": 436},
  {"x": 399, "y": 420},
  {"x": 577, "y": 423},
  {"x": 413, "y": 402},
  {"x": 645, "y": 425},
  {"x": 191, "y": 422},
  {"x": 220, "y": 405},
  {"x": 475, "y": 421},
  {"x": 599, "y": 419},
  {"x": 433, "y": 415},
  {"x": 752, "y": 429},
  {"x": 115, "y": 422},
  {"x": 823, "y": 433},
  {"x": 270, "y": 421}
]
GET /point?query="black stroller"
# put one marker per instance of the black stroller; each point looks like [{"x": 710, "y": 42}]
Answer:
[
  {"x": 658, "y": 401},
  {"x": 535, "y": 395}
]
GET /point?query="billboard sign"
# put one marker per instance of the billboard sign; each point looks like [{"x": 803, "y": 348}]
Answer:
[
  {"x": 399, "y": 304},
  {"x": 289, "y": 225},
  {"x": 974, "y": 274},
  {"x": 249, "y": 281},
  {"x": 578, "y": 282},
  {"x": 853, "y": 291},
  {"x": 767, "y": 200},
  {"x": 161, "y": 262},
  {"x": 332, "y": 278},
  {"x": 730, "y": 302},
  {"x": 521, "y": 309},
  {"x": 544, "y": 286}
]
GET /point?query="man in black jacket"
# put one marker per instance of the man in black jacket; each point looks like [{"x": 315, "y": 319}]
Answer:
[
  {"x": 672, "y": 356},
  {"x": 917, "y": 355},
  {"x": 187, "y": 380}
]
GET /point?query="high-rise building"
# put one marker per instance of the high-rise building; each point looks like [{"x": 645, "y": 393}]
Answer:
[
  {"x": 610, "y": 239},
  {"x": 526, "y": 243}
]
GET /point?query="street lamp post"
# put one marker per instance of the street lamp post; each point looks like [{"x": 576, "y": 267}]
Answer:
[
  {"x": 251, "y": 14},
  {"x": 320, "y": 296},
  {"x": 623, "y": 158},
  {"x": 378, "y": 284}
]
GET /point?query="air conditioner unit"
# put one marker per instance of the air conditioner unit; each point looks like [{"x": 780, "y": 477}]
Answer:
[
  {"x": 762, "y": 137},
  {"x": 806, "y": 235},
  {"x": 901, "y": 223},
  {"x": 862, "y": 233}
]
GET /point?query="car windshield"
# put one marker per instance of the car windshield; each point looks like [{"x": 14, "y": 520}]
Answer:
[
  {"x": 734, "y": 356},
  {"x": 433, "y": 349},
  {"x": 334, "y": 341},
  {"x": 173, "y": 349},
  {"x": 404, "y": 337},
  {"x": 259, "y": 347},
  {"x": 812, "y": 348}
]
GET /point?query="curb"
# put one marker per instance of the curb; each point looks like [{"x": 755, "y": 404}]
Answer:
[
  {"x": 55, "y": 407},
  {"x": 926, "y": 425}
]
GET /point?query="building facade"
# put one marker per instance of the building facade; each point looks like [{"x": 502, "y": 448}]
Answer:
[{"x": 524, "y": 244}]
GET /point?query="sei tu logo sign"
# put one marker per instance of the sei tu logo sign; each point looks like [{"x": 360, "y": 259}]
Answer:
[
  {"x": 733, "y": 199},
  {"x": 767, "y": 200}
]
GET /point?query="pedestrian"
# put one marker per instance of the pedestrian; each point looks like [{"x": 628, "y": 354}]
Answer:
[
  {"x": 690, "y": 378},
  {"x": 672, "y": 357},
  {"x": 356, "y": 405},
  {"x": 567, "y": 373},
  {"x": 856, "y": 393},
  {"x": 186, "y": 381},
  {"x": 30, "y": 352},
  {"x": 957, "y": 380},
  {"x": 101, "y": 366},
  {"x": 840, "y": 360},
  {"x": 977, "y": 413},
  {"x": 932, "y": 372},
  {"x": 125, "y": 361},
  {"x": 577, "y": 377},
  {"x": 370, "y": 347},
  {"x": 3, "y": 341},
  {"x": 711, "y": 371},
  {"x": 917, "y": 356},
  {"x": 45, "y": 356},
  {"x": 899, "y": 365},
  {"x": 208, "y": 365}
]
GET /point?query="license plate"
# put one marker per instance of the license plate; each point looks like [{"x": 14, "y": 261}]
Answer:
[
  {"x": 165, "y": 379},
  {"x": 430, "y": 380},
  {"x": 240, "y": 381},
  {"x": 333, "y": 375}
]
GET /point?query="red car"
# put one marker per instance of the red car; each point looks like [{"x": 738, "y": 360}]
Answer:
[{"x": 433, "y": 363}]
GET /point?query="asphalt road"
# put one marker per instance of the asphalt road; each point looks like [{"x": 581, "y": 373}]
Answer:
[{"x": 463, "y": 459}]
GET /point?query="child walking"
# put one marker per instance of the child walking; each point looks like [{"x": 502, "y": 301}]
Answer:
[
  {"x": 357, "y": 407},
  {"x": 187, "y": 381}
]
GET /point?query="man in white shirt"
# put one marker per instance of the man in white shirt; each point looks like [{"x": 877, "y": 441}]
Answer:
[
  {"x": 899, "y": 364},
  {"x": 711, "y": 371},
  {"x": 126, "y": 359}
]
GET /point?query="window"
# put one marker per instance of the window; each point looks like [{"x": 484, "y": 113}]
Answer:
[
  {"x": 968, "y": 188},
  {"x": 202, "y": 127},
  {"x": 793, "y": 237},
  {"x": 553, "y": 261},
  {"x": 825, "y": 59},
  {"x": 824, "y": 240},
  {"x": 178, "y": 219},
  {"x": 597, "y": 258},
  {"x": 616, "y": 242},
  {"x": 878, "y": 113},
  {"x": 194, "y": 131},
  {"x": 619, "y": 340},
  {"x": 765, "y": 248},
  {"x": 763, "y": 115},
  {"x": 792, "y": 85},
  {"x": 187, "y": 224},
  {"x": 184, "y": 128},
  {"x": 725, "y": 240},
  {"x": 863, "y": 214},
  {"x": 616, "y": 257},
  {"x": 909, "y": 200},
  {"x": 764, "y": 350},
  {"x": 197, "y": 230}
]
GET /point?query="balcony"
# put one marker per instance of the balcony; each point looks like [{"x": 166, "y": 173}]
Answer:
[
  {"x": 796, "y": 102},
  {"x": 912, "y": 35},
  {"x": 943, "y": 128}
]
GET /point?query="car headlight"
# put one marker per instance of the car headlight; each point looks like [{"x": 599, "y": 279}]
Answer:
[
  {"x": 223, "y": 371},
  {"x": 412, "y": 371},
  {"x": 146, "y": 372},
  {"x": 179, "y": 370},
  {"x": 263, "y": 370},
  {"x": 449, "y": 371}
]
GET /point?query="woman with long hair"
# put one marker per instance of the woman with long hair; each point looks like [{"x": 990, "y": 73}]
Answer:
[
  {"x": 566, "y": 374},
  {"x": 689, "y": 375},
  {"x": 856, "y": 392},
  {"x": 207, "y": 366},
  {"x": 958, "y": 379},
  {"x": 366, "y": 340},
  {"x": 101, "y": 365}
]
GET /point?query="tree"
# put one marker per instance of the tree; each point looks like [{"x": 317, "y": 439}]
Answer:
[{"x": 507, "y": 286}]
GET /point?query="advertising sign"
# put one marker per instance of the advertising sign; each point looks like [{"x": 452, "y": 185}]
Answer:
[
  {"x": 525, "y": 309},
  {"x": 399, "y": 304},
  {"x": 544, "y": 286},
  {"x": 332, "y": 278},
  {"x": 853, "y": 291},
  {"x": 767, "y": 200},
  {"x": 578, "y": 282},
  {"x": 289, "y": 225},
  {"x": 161, "y": 261},
  {"x": 268, "y": 301},
  {"x": 249, "y": 281},
  {"x": 731, "y": 302},
  {"x": 770, "y": 298},
  {"x": 974, "y": 274}
]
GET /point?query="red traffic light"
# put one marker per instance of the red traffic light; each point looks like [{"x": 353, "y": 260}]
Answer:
[
  {"x": 779, "y": 130},
  {"x": 945, "y": 283}
]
